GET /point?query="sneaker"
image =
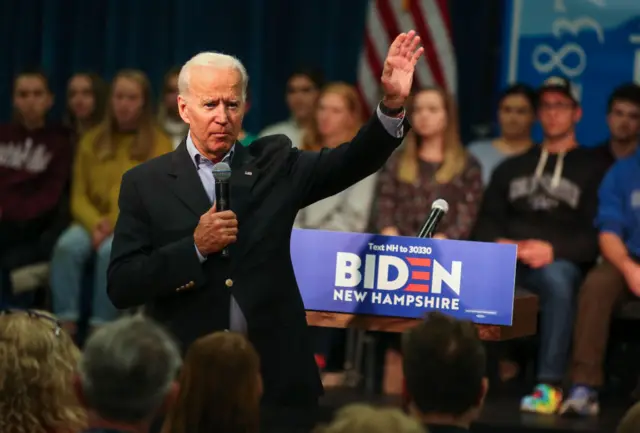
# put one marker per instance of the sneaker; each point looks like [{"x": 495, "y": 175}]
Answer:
[
  {"x": 582, "y": 401},
  {"x": 545, "y": 399}
]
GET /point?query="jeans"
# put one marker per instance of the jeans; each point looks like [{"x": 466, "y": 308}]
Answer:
[
  {"x": 556, "y": 286},
  {"x": 70, "y": 256}
]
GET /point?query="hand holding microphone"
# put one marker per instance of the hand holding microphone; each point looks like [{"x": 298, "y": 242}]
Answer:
[{"x": 218, "y": 227}]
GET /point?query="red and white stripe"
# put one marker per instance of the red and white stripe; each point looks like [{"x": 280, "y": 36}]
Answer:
[{"x": 388, "y": 18}]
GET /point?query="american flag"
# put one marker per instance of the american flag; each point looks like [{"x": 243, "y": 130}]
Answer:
[{"x": 388, "y": 18}]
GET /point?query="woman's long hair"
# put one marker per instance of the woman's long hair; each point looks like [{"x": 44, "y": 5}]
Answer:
[
  {"x": 312, "y": 139},
  {"x": 220, "y": 387},
  {"x": 162, "y": 108},
  {"x": 99, "y": 91},
  {"x": 146, "y": 131},
  {"x": 39, "y": 362},
  {"x": 455, "y": 156}
]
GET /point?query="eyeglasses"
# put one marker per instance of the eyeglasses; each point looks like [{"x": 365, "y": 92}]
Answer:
[
  {"x": 31, "y": 313},
  {"x": 561, "y": 106}
]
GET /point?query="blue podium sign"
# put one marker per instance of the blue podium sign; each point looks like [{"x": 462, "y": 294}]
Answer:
[
  {"x": 404, "y": 277},
  {"x": 594, "y": 43}
]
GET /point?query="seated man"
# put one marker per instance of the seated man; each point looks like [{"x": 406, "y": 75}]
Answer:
[
  {"x": 35, "y": 166},
  {"x": 545, "y": 200},
  {"x": 444, "y": 365},
  {"x": 618, "y": 275}
]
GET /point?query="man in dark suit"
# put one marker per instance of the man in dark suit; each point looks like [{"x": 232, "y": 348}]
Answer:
[{"x": 168, "y": 238}]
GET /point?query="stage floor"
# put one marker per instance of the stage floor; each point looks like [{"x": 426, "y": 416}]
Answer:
[{"x": 501, "y": 413}]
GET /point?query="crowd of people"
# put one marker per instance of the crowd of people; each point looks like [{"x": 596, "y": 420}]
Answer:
[{"x": 571, "y": 208}]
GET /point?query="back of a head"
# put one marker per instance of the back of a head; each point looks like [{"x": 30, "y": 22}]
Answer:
[
  {"x": 128, "y": 367},
  {"x": 444, "y": 365},
  {"x": 362, "y": 418},
  {"x": 220, "y": 387}
]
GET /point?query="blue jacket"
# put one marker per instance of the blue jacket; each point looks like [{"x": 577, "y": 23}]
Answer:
[{"x": 619, "y": 202}]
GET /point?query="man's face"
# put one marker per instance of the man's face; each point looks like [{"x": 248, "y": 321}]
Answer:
[
  {"x": 516, "y": 116},
  {"x": 213, "y": 108},
  {"x": 31, "y": 98},
  {"x": 624, "y": 121},
  {"x": 558, "y": 114},
  {"x": 302, "y": 95}
]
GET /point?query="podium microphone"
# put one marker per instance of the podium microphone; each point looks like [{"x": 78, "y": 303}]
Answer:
[
  {"x": 439, "y": 209},
  {"x": 222, "y": 174}
]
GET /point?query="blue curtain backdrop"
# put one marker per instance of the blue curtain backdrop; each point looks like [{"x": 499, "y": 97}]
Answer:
[{"x": 271, "y": 37}]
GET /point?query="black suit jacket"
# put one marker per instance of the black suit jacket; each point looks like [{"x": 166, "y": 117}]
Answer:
[{"x": 154, "y": 261}]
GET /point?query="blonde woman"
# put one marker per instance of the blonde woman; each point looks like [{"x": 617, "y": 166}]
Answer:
[
  {"x": 127, "y": 136},
  {"x": 38, "y": 363},
  {"x": 431, "y": 164},
  {"x": 362, "y": 418}
]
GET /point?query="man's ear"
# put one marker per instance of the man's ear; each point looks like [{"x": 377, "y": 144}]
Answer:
[
  {"x": 183, "y": 109},
  {"x": 170, "y": 398},
  {"x": 484, "y": 390}
]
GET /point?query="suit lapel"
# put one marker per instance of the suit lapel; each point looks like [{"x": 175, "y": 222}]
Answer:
[
  {"x": 187, "y": 185},
  {"x": 243, "y": 176}
]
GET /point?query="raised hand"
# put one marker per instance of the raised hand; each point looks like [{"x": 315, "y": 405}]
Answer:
[{"x": 399, "y": 66}]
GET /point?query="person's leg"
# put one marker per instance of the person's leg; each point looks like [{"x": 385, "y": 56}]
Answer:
[
  {"x": 556, "y": 285},
  {"x": 599, "y": 294},
  {"x": 68, "y": 260},
  {"x": 102, "y": 310}
]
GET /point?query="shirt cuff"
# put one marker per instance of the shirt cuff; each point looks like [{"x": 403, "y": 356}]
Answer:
[
  {"x": 200, "y": 256},
  {"x": 393, "y": 125}
]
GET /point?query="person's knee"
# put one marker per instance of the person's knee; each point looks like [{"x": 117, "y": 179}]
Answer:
[
  {"x": 598, "y": 286},
  {"x": 72, "y": 243},
  {"x": 560, "y": 280}
]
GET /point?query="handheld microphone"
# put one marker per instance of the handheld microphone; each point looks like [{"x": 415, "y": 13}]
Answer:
[
  {"x": 222, "y": 174},
  {"x": 439, "y": 209}
]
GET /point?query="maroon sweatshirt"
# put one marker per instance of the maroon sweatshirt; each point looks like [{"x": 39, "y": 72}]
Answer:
[{"x": 35, "y": 166}]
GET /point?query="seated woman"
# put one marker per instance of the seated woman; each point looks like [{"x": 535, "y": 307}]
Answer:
[
  {"x": 86, "y": 102},
  {"x": 220, "y": 387},
  {"x": 432, "y": 164},
  {"x": 39, "y": 364},
  {"x": 127, "y": 136}
]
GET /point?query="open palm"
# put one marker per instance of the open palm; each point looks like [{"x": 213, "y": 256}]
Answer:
[{"x": 399, "y": 66}]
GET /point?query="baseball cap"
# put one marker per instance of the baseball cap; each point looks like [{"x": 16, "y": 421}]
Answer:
[{"x": 560, "y": 85}]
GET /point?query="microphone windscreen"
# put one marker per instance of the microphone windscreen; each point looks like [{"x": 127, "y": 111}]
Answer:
[
  {"x": 441, "y": 204},
  {"x": 221, "y": 172}
]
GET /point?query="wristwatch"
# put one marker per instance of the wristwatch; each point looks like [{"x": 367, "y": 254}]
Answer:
[{"x": 391, "y": 112}]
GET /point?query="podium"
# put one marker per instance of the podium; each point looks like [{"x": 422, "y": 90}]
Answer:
[{"x": 367, "y": 282}]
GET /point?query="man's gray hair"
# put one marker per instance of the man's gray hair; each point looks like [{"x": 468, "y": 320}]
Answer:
[
  {"x": 215, "y": 60},
  {"x": 127, "y": 369}
]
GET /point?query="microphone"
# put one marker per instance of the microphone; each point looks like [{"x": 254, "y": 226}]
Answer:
[
  {"x": 222, "y": 174},
  {"x": 439, "y": 209}
]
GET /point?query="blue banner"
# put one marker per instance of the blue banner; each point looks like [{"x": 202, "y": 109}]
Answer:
[
  {"x": 404, "y": 277},
  {"x": 594, "y": 43}
]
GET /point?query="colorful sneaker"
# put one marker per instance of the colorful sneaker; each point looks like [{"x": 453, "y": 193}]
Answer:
[
  {"x": 545, "y": 399},
  {"x": 582, "y": 401}
]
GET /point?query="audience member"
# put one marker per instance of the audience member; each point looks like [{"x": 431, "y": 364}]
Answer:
[
  {"x": 338, "y": 118},
  {"x": 630, "y": 422},
  {"x": 38, "y": 361},
  {"x": 35, "y": 161},
  {"x": 362, "y": 418},
  {"x": 168, "y": 117},
  {"x": 127, "y": 136},
  {"x": 544, "y": 201},
  {"x": 86, "y": 102},
  {"x": 220, "y": 387},
  {"x": 127, "y": 375},
  {"x": 516, "y": 115},
  {"x": 303, "y": 89},
  {"x": 444, "y": 365},
  {"x": 432, "y": 164},
  {"x": 616, "y": 277},
  {"x": 623, "y": 119}
]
